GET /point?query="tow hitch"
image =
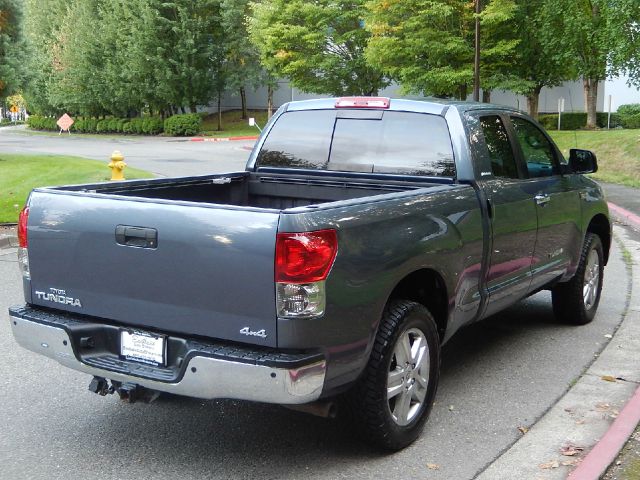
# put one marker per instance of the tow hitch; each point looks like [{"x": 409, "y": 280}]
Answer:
[{"x": 129, "y": 392}]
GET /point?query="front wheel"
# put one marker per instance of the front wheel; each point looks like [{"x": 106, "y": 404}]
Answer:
[
  {"x": 393, "y": 399},
  {"x": 576, "y": 301}
]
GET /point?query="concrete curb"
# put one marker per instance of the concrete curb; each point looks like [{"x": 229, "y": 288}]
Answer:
[
  {"x": 606, "y": 450},
  {"x": 223, "y": 139},
  {"x": 8, "y": 238},
  {"x": 624, "y": 216},
  {"x": 580, "y": 427}
]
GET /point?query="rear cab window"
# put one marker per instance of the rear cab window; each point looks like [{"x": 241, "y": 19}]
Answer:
[{"x": 360, "y": 141}]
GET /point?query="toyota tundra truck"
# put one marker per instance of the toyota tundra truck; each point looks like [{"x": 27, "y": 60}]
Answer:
[{"x": 363, "y": 233}]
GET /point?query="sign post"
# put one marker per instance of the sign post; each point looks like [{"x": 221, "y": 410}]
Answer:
[
  {"x": 65, "y": 122},
  {"x": 609, "y": 115},
  {"x": 14, "y": 113},
  {"x": 560, "y": 110}
]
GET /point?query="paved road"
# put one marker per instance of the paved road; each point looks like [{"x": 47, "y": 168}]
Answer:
[
  {"x": 162, "y": 156},
  {"x": 496, "y": 376}
]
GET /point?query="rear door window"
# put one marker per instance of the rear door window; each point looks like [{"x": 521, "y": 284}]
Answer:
[
  {"x": 379, "y": 141},
  {"x": 499, "y": 151}
]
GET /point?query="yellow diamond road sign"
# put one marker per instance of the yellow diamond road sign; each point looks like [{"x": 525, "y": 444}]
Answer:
[{"x": 65, "y": 122}]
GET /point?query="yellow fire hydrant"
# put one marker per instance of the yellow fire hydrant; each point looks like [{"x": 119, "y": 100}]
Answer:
[{"x": 117, "y": 165}]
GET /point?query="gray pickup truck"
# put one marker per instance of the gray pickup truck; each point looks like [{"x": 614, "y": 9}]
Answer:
[{"x": 362, "y": 235}]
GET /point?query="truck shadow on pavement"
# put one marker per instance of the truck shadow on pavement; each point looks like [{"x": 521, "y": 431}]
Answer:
[{"x": 247, "y": 440}]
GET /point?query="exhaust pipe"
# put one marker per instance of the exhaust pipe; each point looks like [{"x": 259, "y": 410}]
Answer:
[{"x": 319, "y": 409}]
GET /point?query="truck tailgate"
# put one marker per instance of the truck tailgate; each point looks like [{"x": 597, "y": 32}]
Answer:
[{"x": 209, "y": 271}]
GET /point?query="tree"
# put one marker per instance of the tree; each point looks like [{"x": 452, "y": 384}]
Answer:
[
  {"x": 319, "y": 46},
  {"x": 243, "y": 58},
  {"x": 535, "y": 63},
  {"x": 599, "y": 38},
  {"x": 42, "y": 24},
  {"x": 12, "y": 47},
  {"x": 76, "y": 84},
  {"x": 428, "y": 45}
]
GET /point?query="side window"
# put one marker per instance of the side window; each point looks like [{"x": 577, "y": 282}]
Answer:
[
  {"x": 503, "y": 162},
  {"x": 538, "y": 152}
]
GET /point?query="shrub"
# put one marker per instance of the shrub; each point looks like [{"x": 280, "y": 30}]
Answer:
[
  {"x": 576, "y": 120},
  {"x": 629, "y": 115},
  {"x": 38, "y": 122},
  {"x": 91, "y": 125},
  {"x": 180, "y": 125},
  {"x": 152, "y": 126},
  {"x": 102, "y": 126},
  {"x": 629, "y": 109},
  {"x": 136, "y": 125}
]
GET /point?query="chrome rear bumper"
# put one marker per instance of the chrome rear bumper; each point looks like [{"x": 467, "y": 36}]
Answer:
[{"x": 202, "y": 376}]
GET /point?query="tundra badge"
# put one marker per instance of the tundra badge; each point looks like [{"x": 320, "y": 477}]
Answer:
[{"x": 58, "y": 296}]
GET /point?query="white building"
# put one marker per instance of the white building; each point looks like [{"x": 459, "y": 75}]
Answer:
[{"x": 572, "y": 92}]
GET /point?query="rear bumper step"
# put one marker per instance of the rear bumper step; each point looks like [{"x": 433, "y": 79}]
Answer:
[{"x": 194, "y": 368}]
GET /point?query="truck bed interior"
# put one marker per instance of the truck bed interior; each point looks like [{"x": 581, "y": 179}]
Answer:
[{"x": 255, "y": 190}]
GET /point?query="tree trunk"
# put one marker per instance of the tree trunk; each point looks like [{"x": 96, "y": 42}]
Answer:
[
  {"x": 243, "y": 100},
  {"x": 462, "y": 92},
  {"x": 486, "y": 96},
  {"x": 591, "y": 100},
  {"x": 219, "y": 111},
  {"x": 533, "y": 99},
  {"x": 193, "y": 107},
  {"x": 183, "y": 110},
  {"x": 269, "y": 101}
]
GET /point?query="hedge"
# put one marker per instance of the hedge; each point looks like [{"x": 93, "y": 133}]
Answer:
[
  {"x": 186, "y": 124},
  {"x": 629, "y": 115},
  {"x": 133, "y": 126},
  {"x": 577, "y": 120}
]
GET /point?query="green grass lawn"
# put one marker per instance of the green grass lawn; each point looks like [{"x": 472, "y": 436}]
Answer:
[
  {"x": 19, "y": 174},
  {"x": 232, "y": 124},
  {"x": 618, "y": 152}
]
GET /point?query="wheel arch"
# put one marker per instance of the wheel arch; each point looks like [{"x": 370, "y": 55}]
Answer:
[
  {"x": 600, "y": 226},
  {"x": 427, "y": 287}
]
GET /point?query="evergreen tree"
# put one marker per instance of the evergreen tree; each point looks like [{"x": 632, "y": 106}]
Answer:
[{"x": 12, "y": 48}]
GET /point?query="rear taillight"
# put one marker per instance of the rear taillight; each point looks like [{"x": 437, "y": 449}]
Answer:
[
  {"x": 22, "y": 227},
  {"x": 305, "y": 257},
  {"x": 23, "y": 254},
  {"x": 303, "y": 261}
]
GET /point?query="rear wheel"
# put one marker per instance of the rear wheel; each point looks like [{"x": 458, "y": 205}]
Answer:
[
  {"x": 393, "y": 399},
  {"x": 576, "y": 301}
]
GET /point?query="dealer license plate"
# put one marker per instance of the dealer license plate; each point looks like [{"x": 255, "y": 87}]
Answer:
[{"x": 143, "y": 347}]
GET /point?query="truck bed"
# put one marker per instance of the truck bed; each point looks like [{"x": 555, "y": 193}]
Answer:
[{"x": 250, "y": 189}]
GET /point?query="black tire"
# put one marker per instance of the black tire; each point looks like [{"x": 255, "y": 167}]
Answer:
[
  {"x": 381, "y": 421},
  {"x": 575, "y": 302}
]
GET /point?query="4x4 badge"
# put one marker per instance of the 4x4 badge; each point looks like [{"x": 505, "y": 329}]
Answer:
[{"x": 260, "y": 333}]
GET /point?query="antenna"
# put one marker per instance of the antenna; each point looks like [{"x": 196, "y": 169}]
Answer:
[{"x": 575, "y": 134}]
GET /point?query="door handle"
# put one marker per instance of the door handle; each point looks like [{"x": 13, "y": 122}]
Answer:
[
  {"x": 542, "y": 199},
  {"x": 136, "y": 236}
]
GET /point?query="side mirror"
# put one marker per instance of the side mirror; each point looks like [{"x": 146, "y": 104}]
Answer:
[{"x": 582, "y": 161}]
